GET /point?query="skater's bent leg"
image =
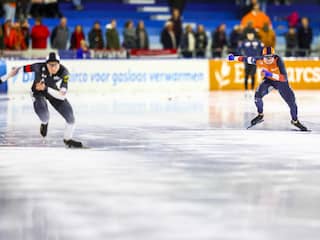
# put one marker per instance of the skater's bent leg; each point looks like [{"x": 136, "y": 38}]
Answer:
[
  {"x": 288, "y": 95},
  {"x": 262, "y": 90},
  {"x": 65, "y": 109},
  {"x": 259, "y": 103},
  {"x": 68, "y": 131},
  {"x": 41, "y": 109}
]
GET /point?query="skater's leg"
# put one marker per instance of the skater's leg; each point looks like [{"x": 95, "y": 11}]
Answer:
[
  {"x": 41, "y": 109},
  {"x": 66, "y": 111},
  {"x": 288, "y": 95},
  {"x": 264, "y": 88}
]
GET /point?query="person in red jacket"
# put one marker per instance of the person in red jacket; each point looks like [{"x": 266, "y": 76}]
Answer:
[
  {"x": 19, "y": 40},
  {"x": 76, "y": 38},
  {"x": 9, "y": 34},
  {"x": 39, "y": 35}
]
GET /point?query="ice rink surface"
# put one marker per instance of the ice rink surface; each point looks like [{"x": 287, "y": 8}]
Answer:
[{"x": 161, "y": 167}]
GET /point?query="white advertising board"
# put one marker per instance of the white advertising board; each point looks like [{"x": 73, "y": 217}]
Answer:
[{"x": 103, "y": 76}]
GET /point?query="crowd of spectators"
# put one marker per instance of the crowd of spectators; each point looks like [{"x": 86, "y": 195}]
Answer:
[
  {"x": 18, "y": 35},
  {"x": 298, "y": 38}
]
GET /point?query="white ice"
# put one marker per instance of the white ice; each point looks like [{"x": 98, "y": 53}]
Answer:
[{"x": 161, "y": 167}]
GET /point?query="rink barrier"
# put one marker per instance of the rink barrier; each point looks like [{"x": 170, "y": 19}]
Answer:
[
  {"x": 105, "y": 76},
  {"x": 3, "y": 71},
  {"x": 169, "y": 75},
  {"x": 302, "y": 74}
]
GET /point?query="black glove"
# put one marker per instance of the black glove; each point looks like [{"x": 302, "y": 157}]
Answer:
[{"x": 0, "y": 80}]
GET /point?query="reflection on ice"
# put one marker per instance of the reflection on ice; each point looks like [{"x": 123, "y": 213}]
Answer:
[{"x": 161, "y": 167}]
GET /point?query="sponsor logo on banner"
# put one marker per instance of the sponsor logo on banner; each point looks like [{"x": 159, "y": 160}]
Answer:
[
  {"x": 125, "y": 75},
  {"x": 302, "y": 74}
]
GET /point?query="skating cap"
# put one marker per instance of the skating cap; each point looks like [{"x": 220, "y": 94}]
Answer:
[
  {"x": 268, "y": 51},
  {"x": 53, "y": 57}
]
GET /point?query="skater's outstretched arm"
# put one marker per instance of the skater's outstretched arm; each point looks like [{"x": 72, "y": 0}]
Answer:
[
  {"x": 11, "y": 74},
  {"x": 249, "y": 60}
]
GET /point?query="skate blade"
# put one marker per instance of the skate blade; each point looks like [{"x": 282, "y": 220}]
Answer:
[
  {"x": 299, "y": 130},
  {"x": 252, "y": 125},
  {"x": 83, "y": 147}
]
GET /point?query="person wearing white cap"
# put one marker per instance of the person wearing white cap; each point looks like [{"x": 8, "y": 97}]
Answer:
[{"x": 50, "y": 84}]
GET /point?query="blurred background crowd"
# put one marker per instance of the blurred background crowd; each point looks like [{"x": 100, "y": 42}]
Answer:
[{"x": 194, "y": 28}]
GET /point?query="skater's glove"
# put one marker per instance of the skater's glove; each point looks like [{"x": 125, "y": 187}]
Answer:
[
  {"x": 231, "y": 57},
  {"x": 266, "y": 73},
  {"x": 41, "y": 86}
]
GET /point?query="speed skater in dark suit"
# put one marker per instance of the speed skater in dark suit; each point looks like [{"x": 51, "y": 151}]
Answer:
[
  {"x": 274, "y": 76},
  {"x": 51, "y": 84},
  {"x": 251, "y": 46}
]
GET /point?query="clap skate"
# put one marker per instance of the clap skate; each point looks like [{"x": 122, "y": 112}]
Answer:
[
  {"x": 256, "y": 120},
  {"x": 43, "y": 129},
  {"x": 299, "y": 125},
  {"x": 72, "y": 143}
]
